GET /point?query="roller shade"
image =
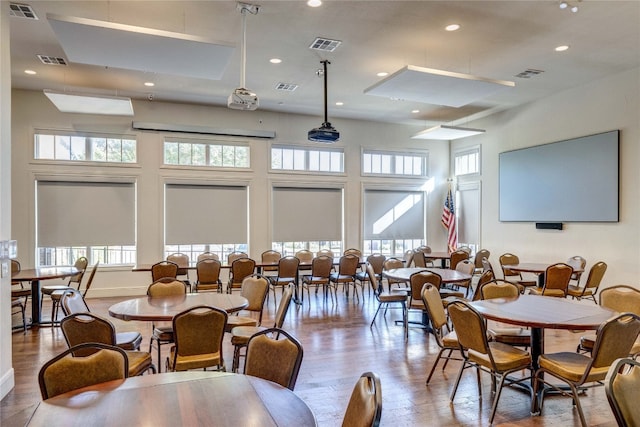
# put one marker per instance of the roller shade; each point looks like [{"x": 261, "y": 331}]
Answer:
[
  {"x": 205, "y": 214},
  {"x": 307, "y": 214},
  {"x": 469, "y": 215},
  {"x": 85, "y": 214},
  {"x": 390, "y": 214}
]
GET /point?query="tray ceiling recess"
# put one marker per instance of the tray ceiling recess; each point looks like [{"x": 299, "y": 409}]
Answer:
[
  {"x": 108, "y": 44},
  {"x": 431, "y": 86}
]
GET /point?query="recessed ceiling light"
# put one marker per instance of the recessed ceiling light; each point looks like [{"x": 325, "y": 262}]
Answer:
[
  {"x": 452, "y": 27},
  {"x": 275, "y": 60},
  {"x": 314, "y": 3},
  {"x": 339, "y": 103},
  {"x": 382, "y": 74},
  {"x": 30, "y": 72},
  {"x": 562, "y": 48},
  {"x": 415, "y": 111},
  {"x": 574, "y": 9},
  {"x": 563, "y": 5},
  {"x": 149, "y": 84}
]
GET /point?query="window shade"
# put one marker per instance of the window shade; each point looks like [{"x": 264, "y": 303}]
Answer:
[
  {"x": 469, "y": 215},
  {"x": 392, "y": 214},
  {"x": 307, "y": 214},
  {"x": 85, "y": 214},
  {"x": 203, "y": 214}
]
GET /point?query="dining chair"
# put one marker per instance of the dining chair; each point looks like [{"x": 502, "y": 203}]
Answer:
[
  {"x": 107, "y": 363},
  {"x": 556, "y": 281},
  {"x": 621, "y": 386},
  {"x": 417, "y": 281},
  {"x": 235, "y": 255},
  {"x": 457, "y": 257},
  {"x": 590, "y": 288},
  {"x": 18, "y": 289},
  {"x": 447, "y": 340},
  {"x": 240, "y": 334},
  {"x": 477, "y": 260},
  {"x": 287, "y": 272},
  {"x": 320, "y": 271},
  {"x": 614, "y": 340},
  {"x": 620, "y": 298},
  {"x": 496, "y": 358},
  {"x": 387, "y": 298},
  {"x": 578, "y": 264},
  {"x": 74, "y": 282},
  {"x": 82, "y": 328},
  {"x": 18, "y": 307},
  {"x": 325, "y": 252},
  {"x": 365, "y": 404},
  {"x": 182, "y": 260},
  {"x": 56, "y": 296},
  {"x": 198, "y": 333},
  {"x": 208, "y": 275},
  {"x": 73, "y": 301},
  {"x": 164, "y": 269},
  {"x": 270, "y": 257},
  {"x": 208, "y": 255},
  {"x": 419, "y": 259},
  {"x": 240, "y": 268},
  {"x": 508, "y": 335},
  {"x": 426, "y": 250},
  {"x": 346, "y": 275},
  {"x": 161, "y": 332},
  {"x": 407, "y": 258},
  {"x": 274, "y": 355},
  {"x": 486, "y": 277},
  {"x": 508, "y": 259},
  {"x": 390, "y": 264},
  {"x": 377, "y": 263},
  {"x": 353, "y": 251},
  {"x": 255, "y": 289}
]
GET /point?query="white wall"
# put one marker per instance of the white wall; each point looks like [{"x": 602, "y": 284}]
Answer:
[
  {"x": 6, "y": 370},
  {"x": 31, "y": 110},
  {"x": 607, "y": 104}
]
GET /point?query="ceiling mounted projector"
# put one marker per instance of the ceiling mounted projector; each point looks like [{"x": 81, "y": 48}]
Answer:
[
  {"x": 325, "y": 133},
  {"x": 242, "y": 98}
]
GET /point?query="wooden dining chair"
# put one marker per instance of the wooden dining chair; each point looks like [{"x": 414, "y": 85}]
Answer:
[
  {"x": 255, "y": 289},
  {"x": 162, "y": 333},
  {"x": 240, "y": 268},
  {"x": 320, "y": 271},
  {"x": 182, "y": 260},
  {"x": 208, "y": 275},
  {"x": 164, "y": 269},
  {"x": 365, "y": 404},
  {"x": 621, "y": 386},
  {"x": 287, "y": 272},
  {"x": 590, "y": 288},
  {"x": 508, "y": 259},
  {"x": 385, "y": 299},
  {"x": 74, "y": 282},
  {"x": 556, "y": 281},
  {"x": 346, "y": 275}
]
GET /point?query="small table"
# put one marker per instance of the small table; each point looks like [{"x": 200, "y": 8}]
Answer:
[
  {"x": 448, "y": 275},
  {"x": 164, "y": 308},
  {"x": 539, "y": 313},
  {"x": 442, "y": 256},
  {"x": 35, "y": 275},
  {"x": 177, "y": 398},
  {"x": 537, "y": 268}
]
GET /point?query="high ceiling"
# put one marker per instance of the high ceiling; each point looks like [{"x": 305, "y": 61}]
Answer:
[{"x": 497, "y": 40}]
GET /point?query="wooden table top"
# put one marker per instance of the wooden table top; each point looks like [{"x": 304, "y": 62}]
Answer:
[
  {"x": 448, "y": 275},
  {"x": 164, "y": 308},
  {"x": 438, "y": 255},
  {"x": 177, "y": 398},
  {"x": 538, "y": 311},
  {"x": 44, "y": 273}
]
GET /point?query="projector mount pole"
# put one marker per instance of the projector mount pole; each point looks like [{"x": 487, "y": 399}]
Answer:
[
  {"x": 326, "y": 123},
  {"x": 252, "y": 9}
]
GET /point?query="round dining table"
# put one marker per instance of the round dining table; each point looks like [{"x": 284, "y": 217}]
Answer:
[
  {"x": 537, "y": 268},
  {"x": 171, "y": 399},
  {"x": 447, "y": 275},
  {"x": 158, "y": 309},
  {"x": 543, "y": 312},
  {"x": 34, "y": 276}
]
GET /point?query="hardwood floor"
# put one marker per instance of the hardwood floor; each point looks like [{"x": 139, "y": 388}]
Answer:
[{"x": 338, "y": 347}]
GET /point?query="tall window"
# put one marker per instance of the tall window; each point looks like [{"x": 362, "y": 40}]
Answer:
[
  {"x": 467, "y": 162},
  {"x": 305, "y": 159},
  {"x": 92, "y": 219},
  {"x": 84, "y": 148},
  {"x": 206, "y": 154},
  {"x": 394, "y": 221},
  {"x": 201, "y": 218},
  {"x": 306, "y": 218},
  {"x": 388, "y": 163}
]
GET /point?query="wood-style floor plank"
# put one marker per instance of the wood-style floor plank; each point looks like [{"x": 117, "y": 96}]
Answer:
[{"x": 338, "y": 346}]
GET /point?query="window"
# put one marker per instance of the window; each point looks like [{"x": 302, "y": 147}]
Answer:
[
  {"x": 387, "y": 163},
  {"x": 206, "y": 154},
  {"x": 205, "y": 217},
  {"x": 91, "y": 219},
  {"x": 84, "y": 148},
  {"x": 394, "y": 221},
  {"x": 304, "y": 159},
  {"x": 467, "y": 162},
  {"x": 306, "y": 218}
]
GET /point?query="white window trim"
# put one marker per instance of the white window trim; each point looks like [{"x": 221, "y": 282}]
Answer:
[
  {"x": 306, "y": 148},
  {"x": 408, "y": 152},
  {"x": 219, "y": 141},
  {"x": 465, "y": 151},
  {"x": 88, "y": 134}
]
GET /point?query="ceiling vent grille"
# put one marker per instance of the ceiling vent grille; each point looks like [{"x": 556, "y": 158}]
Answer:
[
  {"x": 51, "y": 60},
  {"x": 287, "y": 87},
  {"x": 22, "y": 11},
  {"x": 528, "y": 73},
  {"x": 325, "y": 45}
]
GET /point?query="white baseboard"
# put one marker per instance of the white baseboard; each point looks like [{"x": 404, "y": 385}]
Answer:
[{"x": 7, "y": 382}]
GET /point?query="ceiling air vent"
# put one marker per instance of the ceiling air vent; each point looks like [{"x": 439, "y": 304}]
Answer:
[
  {"x": 51, "y": 60},
  {"x": 528, "y": 73},
  {"x": 325, "y": 45},
  {"x": 22, "y": 11},
  {"x": 287, "y": 87}
]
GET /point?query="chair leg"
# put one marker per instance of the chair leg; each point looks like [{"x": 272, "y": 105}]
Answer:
[
  {"x": 435, "y": 364},
  {"x": 375, "y": 315},
  {"x": 496, "y": 398},
  {"x": 455, "y": 387}
]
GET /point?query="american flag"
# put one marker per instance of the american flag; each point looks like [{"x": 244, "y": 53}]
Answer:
[{"x": 449, "y": 222}]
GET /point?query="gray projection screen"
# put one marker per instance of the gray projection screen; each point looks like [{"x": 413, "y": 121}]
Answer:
[{"x": 568, "y": 181}]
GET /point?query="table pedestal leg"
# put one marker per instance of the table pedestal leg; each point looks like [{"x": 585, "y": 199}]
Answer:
[
  {"x": 35, "y": 303},
  {"x": 537, "y": 348}
]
